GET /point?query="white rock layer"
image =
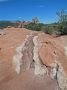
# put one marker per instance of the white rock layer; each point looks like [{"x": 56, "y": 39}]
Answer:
[{"x": 39, "y": 68}]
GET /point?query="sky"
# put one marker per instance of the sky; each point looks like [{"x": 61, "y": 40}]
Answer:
[{"x": 45, "y": 10}]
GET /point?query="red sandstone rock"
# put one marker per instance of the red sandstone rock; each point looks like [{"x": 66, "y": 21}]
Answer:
[
  {"x": 48, "y": 50},
  {"x": 53, "y": 52}
]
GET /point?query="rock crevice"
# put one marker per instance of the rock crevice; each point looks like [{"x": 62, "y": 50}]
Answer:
[
  {"x": 24, "y": 56},
  {"x": 27, "y": 54}
]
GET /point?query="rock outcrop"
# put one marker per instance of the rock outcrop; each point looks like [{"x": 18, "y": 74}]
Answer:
[
  {"x": 53, "y": 55},
  {"x": 39, "y": 67},
  {"x": 24, "y": 55},
  {"x": 47, "y": 57},
  {"x": 35, "y": 57}
]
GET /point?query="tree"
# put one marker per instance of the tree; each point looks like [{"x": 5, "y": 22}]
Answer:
[
  {"x": 35, "y": 20},
  {"x": 62, "y": 16}
]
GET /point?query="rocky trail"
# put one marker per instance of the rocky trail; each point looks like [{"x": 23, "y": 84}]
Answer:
[{"x": 32, "y": 61}]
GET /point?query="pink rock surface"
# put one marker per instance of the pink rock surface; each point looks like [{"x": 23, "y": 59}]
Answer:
[{"x": 49, "y": 53}]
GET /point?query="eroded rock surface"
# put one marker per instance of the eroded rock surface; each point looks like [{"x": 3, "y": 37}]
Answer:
[
  {"x": 24, "y": 56},
  {"x": 53, "y": 55},
  {"x": 36, "y": 61}
]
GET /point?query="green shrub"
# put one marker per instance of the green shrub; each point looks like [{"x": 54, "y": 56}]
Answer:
[
  {"x": 48, "y": 29},
  {"x": 33, "y": 26},
  {"x": 63, "y": 31}
]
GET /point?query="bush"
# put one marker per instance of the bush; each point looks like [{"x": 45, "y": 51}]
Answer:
[
  {"x": 48, "y": 29},
  {"x": 63, "y": 31},
  {"x": 33, "y": 26}
]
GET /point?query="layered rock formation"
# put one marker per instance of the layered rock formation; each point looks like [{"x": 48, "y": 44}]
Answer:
[
  {"x": 53, "y": 55},
  {"x": 36, "y": 60}
]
